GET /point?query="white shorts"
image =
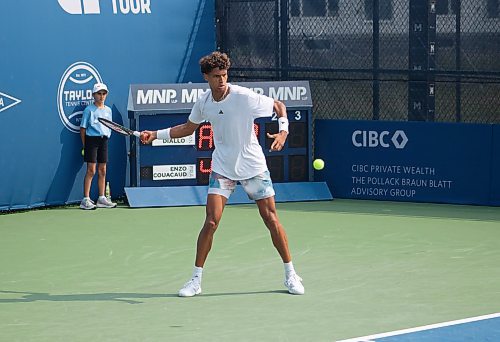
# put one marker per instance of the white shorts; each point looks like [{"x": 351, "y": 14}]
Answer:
[{"x": 257, "y": 188}]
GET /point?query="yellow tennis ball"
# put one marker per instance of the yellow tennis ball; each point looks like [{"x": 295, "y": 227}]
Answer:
[{"x": 318, "y": 164}]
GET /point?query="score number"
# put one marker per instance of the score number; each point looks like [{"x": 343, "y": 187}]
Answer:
[{"x": 205, "y": 137}]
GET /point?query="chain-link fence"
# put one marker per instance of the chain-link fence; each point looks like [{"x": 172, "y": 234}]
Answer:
[{"x": 359, "y": 55}]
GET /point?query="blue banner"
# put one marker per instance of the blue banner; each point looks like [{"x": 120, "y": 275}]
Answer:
[
  {"x": 53, "y": 52},
  {"x": 495, "y": 166},
  {"x": 406, "y": 161}
]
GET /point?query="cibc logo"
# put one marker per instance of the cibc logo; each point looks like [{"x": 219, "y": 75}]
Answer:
[
  {"x": 382, "y": 139},
  {"x": 93, "y": 6},
  {"x": 75, "y": 93}
]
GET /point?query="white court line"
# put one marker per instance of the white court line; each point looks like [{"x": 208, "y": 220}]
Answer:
[{"x": 422, "y": 328}]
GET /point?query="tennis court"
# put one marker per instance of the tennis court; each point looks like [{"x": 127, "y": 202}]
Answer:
[{"x": 369, "y": 267}]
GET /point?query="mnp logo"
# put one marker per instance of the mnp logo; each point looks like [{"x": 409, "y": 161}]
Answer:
[
  {"x": 75, "y": 93},
  {"x": 382, "y": 139},
  {"x": 93, "y": 6}
]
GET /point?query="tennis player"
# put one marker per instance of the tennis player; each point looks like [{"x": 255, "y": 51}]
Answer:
[{"x": 237, "y": 158}]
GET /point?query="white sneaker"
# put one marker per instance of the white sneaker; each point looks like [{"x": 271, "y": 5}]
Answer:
[
  {"x": 103, "y": 202},
  {"x": 191, "y": 288},
  {"x": 294, "y": 284},
  {"x": 87, "y": 204}
]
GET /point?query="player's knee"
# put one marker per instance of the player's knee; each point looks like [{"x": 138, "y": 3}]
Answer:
[
  {"x": 211, "y": 224},
  {"x": 102, "y": 169}
]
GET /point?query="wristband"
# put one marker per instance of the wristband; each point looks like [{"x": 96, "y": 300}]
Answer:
[
  {"x": 163, "y": 134},
  {"x": 283, "y": 124}
]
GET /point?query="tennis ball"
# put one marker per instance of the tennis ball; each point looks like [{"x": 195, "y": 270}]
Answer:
[
  {"x": 83, "y": 152},
  {"x": 318, "y": 164}
]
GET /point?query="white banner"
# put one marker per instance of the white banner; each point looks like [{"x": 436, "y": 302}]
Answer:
[
  {"x": 167, "y": 172},
  {"x": 189, "y": 140}
]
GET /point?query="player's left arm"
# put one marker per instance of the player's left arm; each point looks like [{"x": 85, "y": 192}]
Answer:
[{"x": 280, "y": 137}]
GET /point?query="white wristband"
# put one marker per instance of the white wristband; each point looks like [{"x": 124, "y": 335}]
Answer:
[
  {"x": 163, "y": 134},
  {"x": 283, "y": 124}
]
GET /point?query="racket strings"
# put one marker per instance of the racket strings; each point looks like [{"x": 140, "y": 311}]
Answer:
[
  {"x": 115, "y": 127},
  {"x": 118, "y": 129}
]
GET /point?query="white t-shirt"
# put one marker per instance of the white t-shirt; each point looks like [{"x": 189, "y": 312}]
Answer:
[{"x": 238, "y": 154}]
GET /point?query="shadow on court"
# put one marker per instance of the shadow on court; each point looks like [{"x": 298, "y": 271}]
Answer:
[{"x": 128, "y": 298}]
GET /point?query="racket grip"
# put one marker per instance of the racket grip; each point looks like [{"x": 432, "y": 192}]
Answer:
[{"x": 137, "y": 134}]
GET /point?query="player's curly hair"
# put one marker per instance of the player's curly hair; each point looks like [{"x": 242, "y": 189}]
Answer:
[{"x": 215, "y": 60}]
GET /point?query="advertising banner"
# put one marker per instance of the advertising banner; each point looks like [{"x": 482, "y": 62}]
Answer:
[
  {"x": 495, "y": 166},
  {"x": 405, "y": 161},
  {"x": 158, "y": 97},
  {"x": 53, "y": 52}
]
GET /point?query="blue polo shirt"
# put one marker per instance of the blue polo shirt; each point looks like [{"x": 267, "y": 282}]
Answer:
[{"x": 91, "y": 123}]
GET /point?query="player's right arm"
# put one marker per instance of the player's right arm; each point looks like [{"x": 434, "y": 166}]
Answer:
[{"x": 179, "y": 131}]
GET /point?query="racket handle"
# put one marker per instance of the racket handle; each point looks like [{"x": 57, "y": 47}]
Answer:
[{"x": 137, "y": 134}]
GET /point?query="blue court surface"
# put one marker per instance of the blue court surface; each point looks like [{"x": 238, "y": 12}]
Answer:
[{"x": 477, "y": 329}]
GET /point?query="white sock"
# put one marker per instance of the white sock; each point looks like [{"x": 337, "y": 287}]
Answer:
[
  {"x": 289, "y": 268},
  {"x": 197, "y": 272},
  {"x": 102, "y": 197},
  {"x": 86, "y": 198}
]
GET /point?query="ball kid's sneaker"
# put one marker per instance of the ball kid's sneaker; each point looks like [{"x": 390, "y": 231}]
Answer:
[
  {"x": 104, "y": 202},
  {"x": 87, "y": 204}
]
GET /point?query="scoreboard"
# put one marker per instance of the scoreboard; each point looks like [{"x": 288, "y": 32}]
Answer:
[{"x": 187, "y": 161}]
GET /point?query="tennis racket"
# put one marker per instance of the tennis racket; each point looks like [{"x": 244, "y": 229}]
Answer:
[{"x": 118, "y": 128}]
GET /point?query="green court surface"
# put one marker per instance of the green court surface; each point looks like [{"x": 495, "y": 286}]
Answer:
[{"x": 368, "y": 267}]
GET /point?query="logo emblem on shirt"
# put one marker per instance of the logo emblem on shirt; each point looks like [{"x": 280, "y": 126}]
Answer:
[{"x": 221, "y": 112}]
